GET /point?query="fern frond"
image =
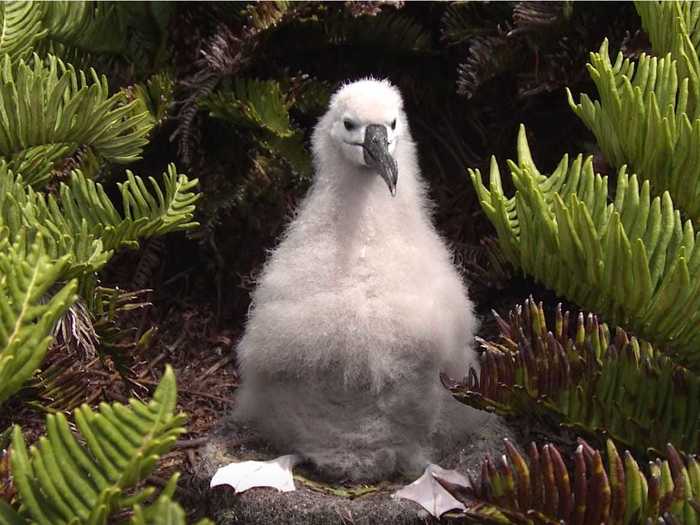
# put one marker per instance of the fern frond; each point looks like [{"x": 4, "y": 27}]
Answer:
[
  {"x": 61, "y": 481},
  {"x": 21, "y": 28},
  {"x": 488, "y": 56},
  {"x": 149, "y": 214},
  {"x": 530, "y": 17},
  {"x": 164, "y": 511},
  {"x": 292, "y": 150},
  {"x": 577, "y": 372},
  {"x": 41, "y": 162},
  {"x": 260, "y": 105},
  {"x": 62, "y": 384},
  {"x": 109, "y": 306},
  {"x": 465, "y": 20},
  {"x": 251, "y": 103},
  {"x": 26, "y": 318},
  {"x": 264, "y": 16},
  {"x": 392, "y": 31},
  {"x": 664, "y": 22},
  {"x": 96, "y": 27},
  {"x": 312, "y": 95},
  {"x": 156, "y": 95},
  {"x": 643, "y": 119},
  {"x": 82, "y": 222},
  {"x": 48, "y": 110},
  {"x": 634, "y": 260},
  {"x": 544, "y": 489},
  {"x": 60, "y": 28}
]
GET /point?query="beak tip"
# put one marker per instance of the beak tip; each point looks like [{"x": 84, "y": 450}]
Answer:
[{"x": 377, "y": 156}]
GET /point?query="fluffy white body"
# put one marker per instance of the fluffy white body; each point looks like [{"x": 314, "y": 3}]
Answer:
[{"x": 358, "y": 309}]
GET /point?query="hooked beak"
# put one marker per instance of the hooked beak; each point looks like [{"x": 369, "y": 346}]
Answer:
[{"x": 377, "y": 157}]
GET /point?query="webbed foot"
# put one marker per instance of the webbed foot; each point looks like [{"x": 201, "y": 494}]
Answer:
[
  {"x": 244, "y": 475},
  {"x": 429, "y": 494}
]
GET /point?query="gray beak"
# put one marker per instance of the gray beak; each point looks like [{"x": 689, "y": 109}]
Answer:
[{"x": 377, "y": 157}]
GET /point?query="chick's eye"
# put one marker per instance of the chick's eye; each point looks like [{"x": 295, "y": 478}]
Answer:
[
  {"x": 393, "y": 124},
  {"x": 349, "y": 124}
]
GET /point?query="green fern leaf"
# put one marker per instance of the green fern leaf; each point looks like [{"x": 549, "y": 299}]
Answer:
[
  {"x": 21, "y": 28},
  {"x": 26, "y": 319},
  {"x": 266, "y": 15},
  {"x": 257, "y": 104},
  {"x": 83, "y": 224},
  {"x": 634, "y": 260},
  {"x": 260, "y": 105},
  {"x": 666, "y": 21},
  {"x": 391, "y": 31},
  {"x": 95, "y": 27},
  {"x": 60, "y": 481},
  {"x": 644, "y": 119},
  {"x": 48, "y": 110},
  {"x": 156, "y": 96},
  {"x": 159, "y": 212},
  {"x": 62, "y": 28},
  {"x": 465, "y": 20},
  {"x": 8, "y": 516},
  {"x": 292, "y": 150},
  {"x": 164, "y": 511}
]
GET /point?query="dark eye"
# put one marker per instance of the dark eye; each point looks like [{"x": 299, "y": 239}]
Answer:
[
  {"x": 393, "y": 124},
  {"x": 349, "y": 124}
]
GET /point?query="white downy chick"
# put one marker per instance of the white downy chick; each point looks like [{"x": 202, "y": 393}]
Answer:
[{"x": 360, "y": 307}]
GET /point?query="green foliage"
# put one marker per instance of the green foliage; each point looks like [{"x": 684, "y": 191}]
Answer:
[
  {"x": 61, "y": 481},
  {"x": 632, "y": 260},
  {"x": 48, "y": 110},
  {"x": 85, "y": 32},
  {"x": 81, "y": 222},
  {"x": 96, "y": 27},
  {"x": 394, "y": 31},
  {"x": 465, "y": 20},
  {"x": 645, "y": 119},
  {"x": 210, "y": 53},
  {"x": 54, "y": 26},
  {"x": 26, "y": 317},
  {"x": 21, "y": 27},
  {"x": 266, "y": 15},
  {"x": 164, "y": 511},
  {"x": 260, "y": 106},
  {"x": 251, "y": 103},
  {"x": 626, "y": 255},
  {"x": 542, "y": 489},
  {"x": 673, "y": 28},
  {"x": 60, "y": 127},
  {"x": 579, "y": 373},
  {"x": 156, "y": 95}
]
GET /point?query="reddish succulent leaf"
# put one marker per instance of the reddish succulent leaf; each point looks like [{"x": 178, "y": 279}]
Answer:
[
  {"x": 617, "y": 485},
  {"x": 561, "y": 474},
  {"x": 551, "y": 494},
  {"x": 580, "y": 486},
  {"x": 543, "y": 491},
  {"x": 522, "y": 474},
  {"x": 537, "y": 481}
]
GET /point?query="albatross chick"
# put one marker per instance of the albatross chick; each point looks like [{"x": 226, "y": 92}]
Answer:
[{"x": 359, "y": 308}]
